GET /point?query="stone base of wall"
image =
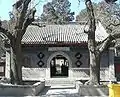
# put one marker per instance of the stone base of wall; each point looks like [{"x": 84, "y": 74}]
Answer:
[{"x": 21, "y": 90}]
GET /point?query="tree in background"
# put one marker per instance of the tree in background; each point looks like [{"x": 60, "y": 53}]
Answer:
[
  {"x": 95, "y": 49},
  {"x": 83, "y": 16},
  {"x": 57, "y": 12},
  {"x": 106, "y": 13},
  {"x": 20, "y": 18},
  {"x": 2, "y": 51},
  {"x": 2, "y": 38}
]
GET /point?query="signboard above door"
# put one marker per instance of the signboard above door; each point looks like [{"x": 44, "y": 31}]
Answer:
[{"x": 58, "y": 49}]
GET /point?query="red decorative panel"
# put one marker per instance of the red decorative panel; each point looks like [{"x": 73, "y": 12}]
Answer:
[{"x": 117, "y": 67}]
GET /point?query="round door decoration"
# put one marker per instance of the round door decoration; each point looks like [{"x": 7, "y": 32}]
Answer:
[
  {"x": 78, "y": 55},
  {"x": 78, "y": 63},
  {"x": 40, "y": 63},
  {"x": 40, "y": 55}
]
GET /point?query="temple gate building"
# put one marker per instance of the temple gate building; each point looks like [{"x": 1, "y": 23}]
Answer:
[{"x": 60, "y": 51}]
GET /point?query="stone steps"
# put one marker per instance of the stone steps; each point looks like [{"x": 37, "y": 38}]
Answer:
[
  {"x": 69, "y": 95},
  {"x": 62, "y": 95},
  {"x": 59, "y": 81},
  {"x": 59, "y": 91}
]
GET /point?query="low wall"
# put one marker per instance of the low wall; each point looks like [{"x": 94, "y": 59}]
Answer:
[
  {"x": 22, "y": 90},
  {"x": 91, "y": 90}
]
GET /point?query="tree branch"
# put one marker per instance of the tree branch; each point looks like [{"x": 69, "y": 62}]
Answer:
[
  {"x": 38, "y": 24},
  {"x": 29, "y": 19},
  {"x": 18, "y": 4},
  {"x": 105, "y": 43},
  {"x": 91, "y": 16},
  {"x": 109, "y": 27},
  {"x": 22, "y": 13},
  {"x": 92, "y": 27},
  {"x": 116, "y": 35},
  {"x": 113, "y": 24},
  {"x": 20, "y": 9},
  {"x": 6, "y": 32}
]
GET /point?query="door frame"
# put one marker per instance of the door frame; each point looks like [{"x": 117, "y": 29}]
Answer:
[{"x": 52, "y": 56}]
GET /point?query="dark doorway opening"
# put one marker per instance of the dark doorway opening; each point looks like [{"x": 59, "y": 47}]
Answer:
[{"x": 59, "y": 66}]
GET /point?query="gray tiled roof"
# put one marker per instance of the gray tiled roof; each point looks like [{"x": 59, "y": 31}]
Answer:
[{"x": 71, "y": 33}]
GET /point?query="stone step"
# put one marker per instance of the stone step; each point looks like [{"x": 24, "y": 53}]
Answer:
[
  {"x": 69, "y": 86},
  {"x": 61, "y": 95},
  {"x": 59, "y": 91},
  {"x": 59, "y": 81},
  {"x": 69, "y": 95}
]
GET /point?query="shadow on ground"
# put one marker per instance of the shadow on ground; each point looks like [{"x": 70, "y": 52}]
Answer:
[{"x": 93, "y": 91}]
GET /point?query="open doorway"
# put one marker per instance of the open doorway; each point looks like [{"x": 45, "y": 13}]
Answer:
[{"x": 59, "y": 66}]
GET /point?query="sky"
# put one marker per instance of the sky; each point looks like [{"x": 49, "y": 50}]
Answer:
[{"x": 6, "y": 7}]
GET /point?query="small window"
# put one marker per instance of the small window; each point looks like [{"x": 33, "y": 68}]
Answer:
[{"x": 27, "y": 61}]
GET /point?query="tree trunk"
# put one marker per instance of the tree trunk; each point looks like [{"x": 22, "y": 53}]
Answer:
[
  {"x": 94, "y": 53},
  {"x": 94, "y": 68},
  {"x": 16, "y": 66},
  {"x": 21, "y": 18}
]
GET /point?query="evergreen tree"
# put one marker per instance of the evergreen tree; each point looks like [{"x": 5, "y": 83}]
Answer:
[{"x": 57, "y": 12}]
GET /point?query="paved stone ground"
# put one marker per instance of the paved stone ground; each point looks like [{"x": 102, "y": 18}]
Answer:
[
  {"x": 67, "y": 91},
  {"x": 93, "y": 91},
  {"x": 66, "y": 88}
]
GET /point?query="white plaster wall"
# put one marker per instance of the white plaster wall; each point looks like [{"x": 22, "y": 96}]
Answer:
[
  {"x": 33, "y": 73},
  {"x": 84, "y": 73}
]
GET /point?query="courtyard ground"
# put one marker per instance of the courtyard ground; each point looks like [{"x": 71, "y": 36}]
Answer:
[{"x": 71, "y": 91}]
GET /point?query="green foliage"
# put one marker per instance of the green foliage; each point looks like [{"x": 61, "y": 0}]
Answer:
[{"x": 57, "y": 12}]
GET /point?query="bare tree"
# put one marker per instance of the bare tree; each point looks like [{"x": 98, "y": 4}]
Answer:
[
  {"x": 21, "y": 18},
  {"x": 95, "y": 50}
]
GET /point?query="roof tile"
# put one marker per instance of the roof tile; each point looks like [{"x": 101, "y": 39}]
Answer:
[{"x": 73, "y": 33}]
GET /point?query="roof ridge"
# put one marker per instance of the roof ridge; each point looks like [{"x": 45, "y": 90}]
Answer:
[{"x": 70, "y": 23}]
